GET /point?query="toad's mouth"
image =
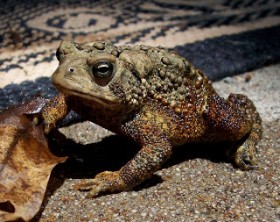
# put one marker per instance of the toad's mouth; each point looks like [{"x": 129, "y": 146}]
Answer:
[{"x": 90, "y": 97}]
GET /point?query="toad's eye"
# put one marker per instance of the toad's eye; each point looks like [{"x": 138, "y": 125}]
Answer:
[{"x": 102, "y": 69}]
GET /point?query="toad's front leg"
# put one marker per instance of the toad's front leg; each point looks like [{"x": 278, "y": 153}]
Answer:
[
  {"x": 56, "y": 109},
  {"x": 150, "y": 158}
]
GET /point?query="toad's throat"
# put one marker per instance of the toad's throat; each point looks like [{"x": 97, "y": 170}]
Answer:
[{"x": 89, "y": 98}]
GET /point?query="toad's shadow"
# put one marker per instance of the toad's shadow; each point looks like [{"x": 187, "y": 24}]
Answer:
[
  {"x": 113, "y": 152},
  {"x": 85, "y": 161}
]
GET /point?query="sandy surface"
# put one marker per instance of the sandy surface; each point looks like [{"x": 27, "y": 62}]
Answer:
[{"x": 196, "y": 184}]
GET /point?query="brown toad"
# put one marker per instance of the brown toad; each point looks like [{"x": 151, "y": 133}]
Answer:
[{"x": 156, "y": 98}]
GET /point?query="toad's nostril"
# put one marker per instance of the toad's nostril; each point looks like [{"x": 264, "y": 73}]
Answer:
[{"x": 71, "y": 69}]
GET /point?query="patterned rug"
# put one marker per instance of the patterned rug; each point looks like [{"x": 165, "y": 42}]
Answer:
[{"x": 221, "y": 37}]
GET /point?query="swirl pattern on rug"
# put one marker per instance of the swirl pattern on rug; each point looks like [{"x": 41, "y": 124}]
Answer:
[{"x": 221, "y": 37}]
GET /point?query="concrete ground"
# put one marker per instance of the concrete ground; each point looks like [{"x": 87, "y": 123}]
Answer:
[{"x": 196, "y": 184}]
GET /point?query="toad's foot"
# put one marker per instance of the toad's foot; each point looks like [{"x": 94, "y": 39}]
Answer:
[
  {"x": 104, "y": 182},
  {"x": 244, "y": 156}
]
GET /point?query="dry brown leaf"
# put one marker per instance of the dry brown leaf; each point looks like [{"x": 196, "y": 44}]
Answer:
[{"x": 25, "y": 162}]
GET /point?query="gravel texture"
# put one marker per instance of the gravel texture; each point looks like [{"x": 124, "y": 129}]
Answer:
[{"x": 196, "y": 184}]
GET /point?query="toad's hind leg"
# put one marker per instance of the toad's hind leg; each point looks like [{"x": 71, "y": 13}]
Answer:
[{"x": 244, "y": 150}]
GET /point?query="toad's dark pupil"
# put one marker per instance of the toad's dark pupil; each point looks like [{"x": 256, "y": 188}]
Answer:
[{"x": 102, "y": 69}]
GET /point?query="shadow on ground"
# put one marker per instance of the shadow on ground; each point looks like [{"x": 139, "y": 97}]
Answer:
[{"x": 85, "y": 161}]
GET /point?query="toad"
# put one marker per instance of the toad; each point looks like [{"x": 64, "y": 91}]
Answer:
[{"x": 156, "y": 98}]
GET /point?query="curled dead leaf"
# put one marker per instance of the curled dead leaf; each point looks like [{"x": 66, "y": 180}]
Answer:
[{"x": 26, "y": 161}]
